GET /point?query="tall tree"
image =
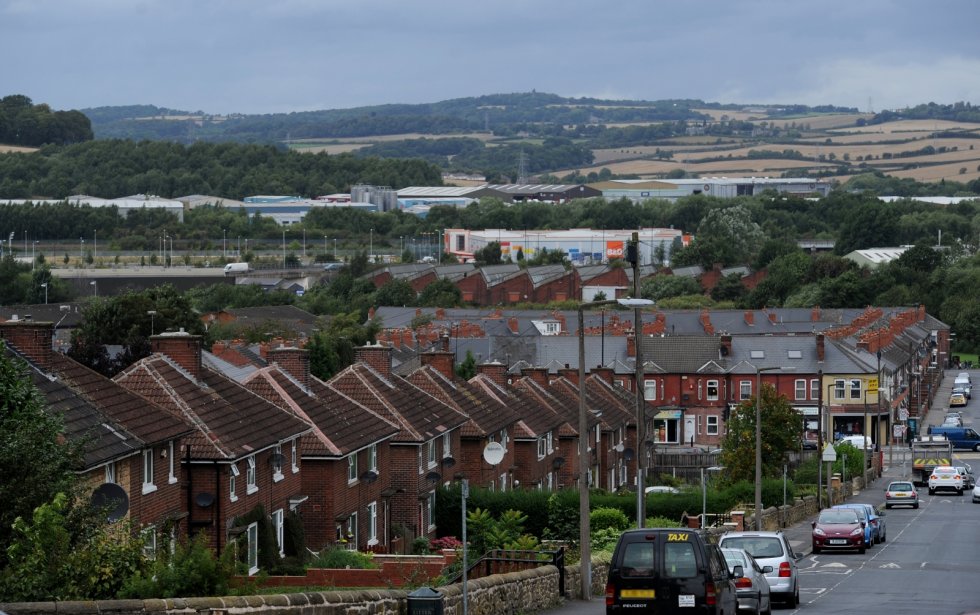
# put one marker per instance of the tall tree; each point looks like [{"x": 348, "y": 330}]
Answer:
[{"x": 782, "y": 429}]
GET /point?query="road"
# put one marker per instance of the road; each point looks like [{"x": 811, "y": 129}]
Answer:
[{"x": 928, "y": 564}]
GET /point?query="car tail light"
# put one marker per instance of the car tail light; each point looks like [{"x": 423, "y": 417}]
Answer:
[
  {"x": 957, "y": 477},
  {"x": 610, "y": 594},
  {"x": 743, "y": 583},
  {"x": 710, "y": 597},
  {"x": 785, "y": 570}
]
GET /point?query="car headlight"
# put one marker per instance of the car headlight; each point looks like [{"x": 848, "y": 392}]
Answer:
[
  {"x": 819, "y": 532},
  {"x": 857, "y": 531}
]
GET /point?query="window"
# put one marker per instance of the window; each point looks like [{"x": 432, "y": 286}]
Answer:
[
  {"x": 447, "y": 449},
  {"x": 712, "y": 423},
  {"x": 277, "y": 463},
  {"x": 855, "y": 388},
  {"x": 232, "y": 482},
  {"x": 541, "y": 447},
  {"x": 838, "y": 390},
  {"x": 149, "y": 536},
  {"x": 253, "y": 548},
  {"x": 148, "y": 486},
  {"x": 679, "y": 560},
  {"x": 551, "y": 328},
  {"x": 712, "y": 390},
  {"x": 431, "y": 510},
  {"x": 801, "y": 389},
  {"x": 171, "y": 473},
  {"x": 250, "y": 484},
  {"x": 373, "y": 458},
  {"x": 372, "y": 509},
  {"x": 699, "y": 424},
  {"x": 504, "y": 437},
  {"x": 432, "y": 453},
  {"x": 503, "y": 482},
  {"x": 110, "y": 472},
  {"x": 277, "y": 528},
  {"x": 745, "y": 389},
  {"x": 420, "y": 460},
  {"x": 352, "y": 467},
  {"x": 351, "y": 530},
  {"x": 294, "y": 455},
  {"x": 650, "y": 390},
  {"x": 550, "y": 442},
  {"x": 814, "y": 389}
]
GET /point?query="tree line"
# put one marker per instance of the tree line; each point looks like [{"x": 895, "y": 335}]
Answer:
[{"x": 24, "y": 123}]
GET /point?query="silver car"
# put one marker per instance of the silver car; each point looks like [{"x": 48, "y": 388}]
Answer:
[
  {"x": 752, "y": 588},
  {"x": 770, "y": 549}
]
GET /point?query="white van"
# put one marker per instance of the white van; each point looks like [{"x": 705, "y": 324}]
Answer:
[
  {"x": 233, "y": 268},
  {"x": 858, "y": 441}
]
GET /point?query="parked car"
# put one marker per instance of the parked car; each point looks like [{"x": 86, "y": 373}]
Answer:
[
  {"x": 961, "y": 437},
  {"x": 858, "y": 441},
  {"x": 976, "y": 494},
  {"x": 870, "y": 530},
  {"x": 956, "y": 399},
  {"x": 661, "y": 489},
  {"x": 875, "y": 518},
  {"x": 952, "y": 421},
  {"x": 963, "y": 383},
  {"x": 964, "y": 376},
  {"x": 838, "y": 528},
  {"x": 945, "y": 478},
  {"x": 668, "y": 570},
  {"x": 752, "y": 588},
  {"x": 771, "y": 549},
  {"x": 901, "y": 493},
  {"x": 969, "y": 481}
]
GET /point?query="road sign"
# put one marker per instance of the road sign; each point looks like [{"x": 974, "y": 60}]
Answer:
[
  {"x": 872, "y": 385},
  {"x": 829, "y": 453},
  {"x": 903, "y": 414}
]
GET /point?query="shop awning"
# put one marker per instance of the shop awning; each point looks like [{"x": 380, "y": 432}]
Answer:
[{"x": 667, "y": 414}]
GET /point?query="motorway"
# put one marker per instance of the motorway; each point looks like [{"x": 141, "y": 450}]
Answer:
[{"x": 927, "y": 566}]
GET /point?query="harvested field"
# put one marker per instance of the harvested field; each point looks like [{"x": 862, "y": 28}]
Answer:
[
  {"x": 4, "y": 149},
  {"x": 912, "y": 126}
]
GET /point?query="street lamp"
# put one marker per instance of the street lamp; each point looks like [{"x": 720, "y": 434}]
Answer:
[
  {"x": 152, "y": 314},
  {"x": 45, "y": 287},
  {"x": 95, "y": 288},
  {"x": 224, "y": 243},
  {"x": 583, "y": 445},
  {"x": 758, "y": 445},
  {"x": 371, "y": 244}
]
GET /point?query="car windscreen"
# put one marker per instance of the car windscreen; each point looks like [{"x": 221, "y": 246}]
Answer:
[
  {"x": 838, "y": 516},
  {"x": 756, "y": 546},
  {"x": 900, "y": 487}
]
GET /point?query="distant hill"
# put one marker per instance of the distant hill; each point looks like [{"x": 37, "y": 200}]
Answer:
[{"x": 24, "y": 123}]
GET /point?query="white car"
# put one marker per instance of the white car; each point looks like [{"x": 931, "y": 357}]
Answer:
[
  {"x": 947, "y": 478},
  {"x": 976, "y": 494}
]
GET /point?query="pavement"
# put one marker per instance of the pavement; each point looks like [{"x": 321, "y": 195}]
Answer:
[{"x": 896, "y": 466}]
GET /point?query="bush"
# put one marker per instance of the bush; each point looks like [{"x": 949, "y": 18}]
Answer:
[
  {"x": 191, "y": 570},
  {"x": 661, "y": 522},
  {"x": 342, "y": 558},
  {"x": 608, "y": 518},
  {"x": 420, "y": 546}
]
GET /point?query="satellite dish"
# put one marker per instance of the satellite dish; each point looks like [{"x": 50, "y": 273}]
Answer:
[
  {"x": 369, "y": 477},
  {"x": 433, "y": 477},
  {"x": 619, "y": 448},
  {"x": 628, "y": 454},
  {"x": 493, "y": 453},
  {"x": 204, "y": 499},
  {"x": 113, "y": 499},
  {"x": 448, "y": 461},
  {"x": 558, "y": 462}
]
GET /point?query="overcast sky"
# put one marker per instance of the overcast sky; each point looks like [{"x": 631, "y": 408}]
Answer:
[{"x": 249, "y": 56}]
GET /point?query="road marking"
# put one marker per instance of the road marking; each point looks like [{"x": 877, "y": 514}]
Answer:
[{"x": 890, "y": 565}]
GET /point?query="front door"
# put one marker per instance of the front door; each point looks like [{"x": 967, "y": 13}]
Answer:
[{"x": 690, "y": 425}]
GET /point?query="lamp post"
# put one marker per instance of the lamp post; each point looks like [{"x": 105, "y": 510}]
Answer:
[
  {"x": 283, "y": 248},
  {"x": 45, "y": 287},
  {"x": 758, "y": 445},
  {"x": 153, "y": 314},
  {"x": 224, "y": 243},
  {"x": 335, "y": 248},
  {"x": 371, "y": 244},
  {"x": 583, "y": 445},
  {"x": 95, "y": 288}
]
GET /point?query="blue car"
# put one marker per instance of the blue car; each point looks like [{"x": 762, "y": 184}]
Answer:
[{"x": 871, "y": 528}]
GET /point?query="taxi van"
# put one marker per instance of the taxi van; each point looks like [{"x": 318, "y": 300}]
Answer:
[{"x": 669, "y": 570}]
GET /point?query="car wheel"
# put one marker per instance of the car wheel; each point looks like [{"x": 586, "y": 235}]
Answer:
[
  {"x": 884, "y": 538},
  {"x": 861, "y": 550},
  {"x": 932, "y": 491},
  {"x": 888, "y": 506},
  {"x": 794, "y": 600},
  {"x": 959, "y": 492},
  {"x": 816, "y": 550},
  {"x": 977, "y": 448},
  {"x": 916, "y": 505}
]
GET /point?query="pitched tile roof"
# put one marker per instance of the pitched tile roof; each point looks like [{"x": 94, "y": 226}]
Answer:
[
  {"x": 231, "y": 421},
  {"x": 487, "y": 414}
]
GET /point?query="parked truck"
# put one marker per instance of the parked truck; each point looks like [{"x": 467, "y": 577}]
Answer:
[{"x": 927, "y": 453}]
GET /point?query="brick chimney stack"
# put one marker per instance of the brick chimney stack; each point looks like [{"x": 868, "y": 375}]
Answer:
[
  {"x": 495, "y": 371},
  {"x": 182, "y": 348},
  {"x": 512, "y": 324},
  {"x": 378, "y": 357},
  {"x": 537, "y": 374},
  {"x": 605, "y": 373},
  {"x": 31, "y": 339},
  {"x": 726, "y": 345},
  {"x": 820, "y": 347},
  {"x": 441, "y": 360},
  {"x": 750, "y": 318},
  {"x": 569, "y": 373},
  {"x": 293, "y": 361},
  {"x": 630, "y": 345}
]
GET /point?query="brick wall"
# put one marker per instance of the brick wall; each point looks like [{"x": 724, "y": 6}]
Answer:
[
  {"x": 32, "y": 339},
  {"x": 293, "y": 361},
  {"x": 182, "y": 348},
  {"x": 378, "y": 357}
]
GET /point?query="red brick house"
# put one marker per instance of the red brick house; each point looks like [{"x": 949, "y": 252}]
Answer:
[
  {"x": 244, "y": 452},
  {"x": 553, "y": 283},
  {"x": 345, "y": 459},
  {"x": 550, "y": 449},
  {"x": 128, "y": 441},
  {"x": 426, "y": 446}
]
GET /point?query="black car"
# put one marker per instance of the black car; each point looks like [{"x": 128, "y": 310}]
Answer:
[{"x": 669, "y": 570}]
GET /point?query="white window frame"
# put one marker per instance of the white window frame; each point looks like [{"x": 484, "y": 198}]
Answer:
[
  {"x": 149, "y": 535},
  {"x": 421, "y": 466},
  {"x": 698, "y": 423},
  {"x": 800, "y": 386},
  {"x": 549, "y": 438},
  {"x": 650, "y": 390},
  {"x": 373, "y": 458},
  {"x": 233, "y": 482},
  {"x": 372, "y": 510},
  {"x": 541, "y": 447},
  {"x": 815, "y": 388},
  {"x": 712, "y": 424},
  {"x": 278, "y": 527},
  {"x": 431, "y": 510},
  {"x": 431, "y": 458},
  {"x": 352, "y": 468},
  {"x": 110, "y": 472},
  {"x": 171, "y": 464},
  {"x": 854, "y": 389},
  {"x": 504, "y": 438},
  {"x": 277, "y": 463},
  {"x": 447, "y": 445},
  {"x": 717, "y": 387},
  {"x": 840, "y": 389},
  {"x": 252, "y": 535},
  {"x": 503, "y": 482},
  {"x": 744, "y": 390},
  {"x": 148, "y": 485},
  {"x": 294, "y": 454},
  {"x": 251, "y": 486}
]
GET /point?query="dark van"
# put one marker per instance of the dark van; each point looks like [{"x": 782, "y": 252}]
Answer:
[
  {"x": 961, "y": 437},
  {"x": 669, "y": 570}
]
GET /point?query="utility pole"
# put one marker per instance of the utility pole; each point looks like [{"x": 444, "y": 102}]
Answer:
[{"x": 633, "y": 256}]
